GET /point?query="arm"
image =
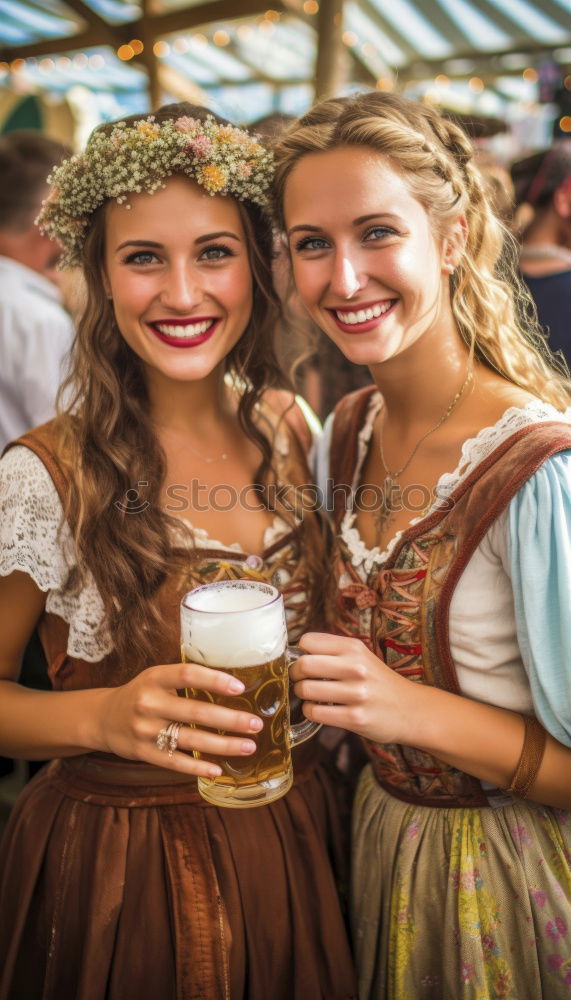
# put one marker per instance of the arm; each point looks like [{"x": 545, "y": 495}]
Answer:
[
  {"x": 124, "y": 720},
  {"x": 370, "y": 699}
]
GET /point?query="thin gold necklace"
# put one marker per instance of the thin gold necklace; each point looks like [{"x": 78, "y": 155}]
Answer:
[
  {"x": 391, "y": 500},
  {"x": 205, "y": 459}
]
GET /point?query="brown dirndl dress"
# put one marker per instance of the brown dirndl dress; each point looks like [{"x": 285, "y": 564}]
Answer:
[{"x": 118, "y": 881}]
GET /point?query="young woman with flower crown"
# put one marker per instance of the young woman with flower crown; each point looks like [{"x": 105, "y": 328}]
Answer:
[
  {"x": 116, "y": 879},
  {"x": 450, "y": 481}
]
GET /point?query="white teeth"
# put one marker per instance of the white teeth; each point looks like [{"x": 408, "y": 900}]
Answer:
[
  {"x": 186, "y": 332},
  {"x": 363, "y": 315}
]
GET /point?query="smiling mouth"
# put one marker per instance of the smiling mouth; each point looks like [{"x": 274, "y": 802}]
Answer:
[
  {"x": 356, "y": 317},
  {"x": 184, "y": 329}
]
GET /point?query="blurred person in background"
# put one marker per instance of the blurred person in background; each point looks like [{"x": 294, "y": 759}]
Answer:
[
  {"x": 498, "y": 185},
  {"x": 35, "y": 328},
  {"x": 543, "y": 182}
]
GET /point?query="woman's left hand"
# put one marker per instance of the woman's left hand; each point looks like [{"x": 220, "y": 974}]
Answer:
[{"x": 343, "y": 684}]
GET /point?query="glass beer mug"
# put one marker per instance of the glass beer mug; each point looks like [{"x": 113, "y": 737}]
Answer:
[{"x": 239, "y": 626}]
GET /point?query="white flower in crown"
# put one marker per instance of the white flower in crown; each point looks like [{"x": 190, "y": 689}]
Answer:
[{"x": 140, "y": 156}]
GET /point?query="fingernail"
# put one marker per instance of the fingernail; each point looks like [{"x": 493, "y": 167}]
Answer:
[
  {"x": 215, "y": 772},
  {"x": 248, "y": 746},
  {"x": 256, "y": 725},
  {"x": 235, "y": 686}
]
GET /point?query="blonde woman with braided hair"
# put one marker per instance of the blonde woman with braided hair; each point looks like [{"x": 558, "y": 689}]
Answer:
[
  {"x": 117, "y": 879},
  {"x": 450, "y": 617}
]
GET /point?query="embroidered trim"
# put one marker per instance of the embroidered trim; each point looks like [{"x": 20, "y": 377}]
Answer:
[{"x": 474, "y": 450}]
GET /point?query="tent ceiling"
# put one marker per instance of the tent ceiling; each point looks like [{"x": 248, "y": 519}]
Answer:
[{"x": 235, "y": 52}]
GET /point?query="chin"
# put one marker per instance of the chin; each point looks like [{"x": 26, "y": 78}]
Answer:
[{"x": 364, "y": 354}]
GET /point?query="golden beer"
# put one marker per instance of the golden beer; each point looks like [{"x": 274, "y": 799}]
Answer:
[
  {"x": 239, "y": 626},
  {"x": 266, "y": 695}
]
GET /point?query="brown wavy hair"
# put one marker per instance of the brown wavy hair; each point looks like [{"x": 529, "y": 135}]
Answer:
[
  {"x": 493, "y": 310},
  {"x": 108, "y": 444}
]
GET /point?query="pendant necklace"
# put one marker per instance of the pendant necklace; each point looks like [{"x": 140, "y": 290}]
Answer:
[{"x": 391, "y": 501}]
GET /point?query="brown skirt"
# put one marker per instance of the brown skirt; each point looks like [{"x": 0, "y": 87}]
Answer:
[{"x": 117, "y": 882}]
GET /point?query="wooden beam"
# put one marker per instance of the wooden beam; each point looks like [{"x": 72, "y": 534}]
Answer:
[
  {"x": 421, "y": 67},
  {"x": 148, "y": 35},
  {"x": 208, "y": 13},
  {"x": 88, "y": 15},
  {"x": 89, "y": 39},
  {"x": 331, "y": 60}
]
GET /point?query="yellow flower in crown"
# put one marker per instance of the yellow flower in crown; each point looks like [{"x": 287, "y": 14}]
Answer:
[
  {"x": 139, "y": 156},
  {"x": 148, "y": 130},
  {"x": 212, "y": 177}
]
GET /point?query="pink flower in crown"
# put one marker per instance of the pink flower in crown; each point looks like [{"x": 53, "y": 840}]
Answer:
[
  {"x": 244, "y": 171},
  {"x": 186, "y": 124},
  {"x": 199, "y": 146}
]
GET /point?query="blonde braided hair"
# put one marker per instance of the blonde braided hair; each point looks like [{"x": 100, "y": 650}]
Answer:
[{"x": 492, "y": 308}]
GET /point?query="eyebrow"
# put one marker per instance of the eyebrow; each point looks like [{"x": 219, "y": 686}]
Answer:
[
  {"x": 201, "y": 239},
  {"x": 356, "y": 222}
]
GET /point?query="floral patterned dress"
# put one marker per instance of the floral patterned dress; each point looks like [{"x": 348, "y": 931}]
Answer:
[{"x": 451, "y": 901}]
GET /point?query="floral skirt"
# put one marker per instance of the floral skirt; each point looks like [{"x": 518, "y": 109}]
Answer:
[{"x": 450, "y": 903}]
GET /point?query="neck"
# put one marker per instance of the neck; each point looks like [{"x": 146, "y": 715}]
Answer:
[
  {"x": 27, "y": 249},
  {"x": 188, "y": 407},
  {"x": 547, "y": 229},
  {"x": 418, "y": 384}
]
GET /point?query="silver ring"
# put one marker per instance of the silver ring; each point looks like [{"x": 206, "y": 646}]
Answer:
[{"x": 167, "y": 738}]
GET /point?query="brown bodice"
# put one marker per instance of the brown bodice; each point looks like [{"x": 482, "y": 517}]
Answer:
[
  {"x": 282, "y": 564},
  {"x": 409, "y": 596}
]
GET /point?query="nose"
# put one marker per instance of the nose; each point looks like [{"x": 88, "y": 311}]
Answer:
[
  {"x": 345, "y": 279},
  {"x": 182, "y": 290}
]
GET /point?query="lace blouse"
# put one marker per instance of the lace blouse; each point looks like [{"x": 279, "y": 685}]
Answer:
[
  {"x": 35, "y": 538},
  {"x": 510, "y": 615}
]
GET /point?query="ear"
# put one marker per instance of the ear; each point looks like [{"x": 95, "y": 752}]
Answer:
[{"x": 453, "y": 245}]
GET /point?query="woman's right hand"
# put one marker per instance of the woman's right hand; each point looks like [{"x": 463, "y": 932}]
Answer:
[{"x": 130, "y": 717}]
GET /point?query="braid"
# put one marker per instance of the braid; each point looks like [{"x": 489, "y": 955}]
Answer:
[{"x": 492, "y": 308}]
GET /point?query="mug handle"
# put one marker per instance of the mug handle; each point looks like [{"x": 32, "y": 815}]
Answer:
[{"x": 299, "y": 732}]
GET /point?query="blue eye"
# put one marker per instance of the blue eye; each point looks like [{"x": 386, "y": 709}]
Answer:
[
  {"x": 378, "y": 233},
  {"x": 216, "y": 252},
  {"x": 141, "y": 257},
  {"x": 311, "y": 243}
]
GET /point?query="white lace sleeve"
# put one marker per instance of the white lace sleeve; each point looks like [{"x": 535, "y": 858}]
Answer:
[{"x": 35, "y": 538}]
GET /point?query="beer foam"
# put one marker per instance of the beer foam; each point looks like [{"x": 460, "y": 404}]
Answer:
[{"x": 234, "y": 624}]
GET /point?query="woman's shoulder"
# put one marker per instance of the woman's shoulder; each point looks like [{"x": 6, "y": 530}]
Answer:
[{"x": 40, "y": 455}]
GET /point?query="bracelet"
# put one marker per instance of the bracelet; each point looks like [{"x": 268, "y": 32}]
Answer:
[{"x": 530, "y": 758}]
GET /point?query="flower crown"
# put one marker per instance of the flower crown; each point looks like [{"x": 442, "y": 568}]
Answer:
[{"x": 139, "y": 157}]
